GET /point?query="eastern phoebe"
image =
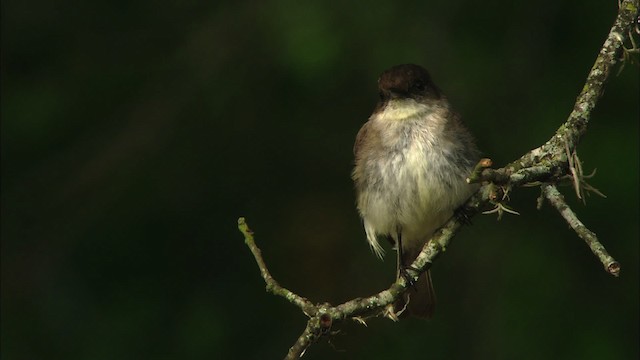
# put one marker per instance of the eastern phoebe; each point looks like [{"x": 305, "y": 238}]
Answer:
[{"x": 411, "y": 161}]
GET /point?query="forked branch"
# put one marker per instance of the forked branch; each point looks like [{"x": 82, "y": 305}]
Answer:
[{"x": 542, "y": 166}]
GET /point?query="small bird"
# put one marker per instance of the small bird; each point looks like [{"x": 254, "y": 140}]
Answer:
[{"x": 411, "y": 161}]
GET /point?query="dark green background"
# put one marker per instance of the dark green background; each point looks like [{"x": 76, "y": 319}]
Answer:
[{"x": 134, "y": 134}]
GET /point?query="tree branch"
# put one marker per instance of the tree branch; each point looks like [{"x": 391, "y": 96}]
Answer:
[
  {"x": 553, "y": 153},
  {"x": 543, "y": 166},
  {"x": 557, "y": 200},
  {"x": 304, "y": 341},
  {"x": 272, "y": 285}
]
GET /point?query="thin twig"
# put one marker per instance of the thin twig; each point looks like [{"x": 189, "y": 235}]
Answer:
[
  {"x": 476, "y": 174},
  {"x": 272, "y": 284},
  {"x": 557, "y": 200}
]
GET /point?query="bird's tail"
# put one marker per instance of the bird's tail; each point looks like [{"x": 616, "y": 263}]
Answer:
[{"x": 420, "y": 300}]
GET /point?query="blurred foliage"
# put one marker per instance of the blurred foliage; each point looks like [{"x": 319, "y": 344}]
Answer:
[{"x": 134, "y": 134}]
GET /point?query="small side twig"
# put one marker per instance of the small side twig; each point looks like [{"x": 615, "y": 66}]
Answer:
[
  {"x": 556, "y": 199},
  {"x": 476, "y": 174},
  {"x": 272, "y": 285}
]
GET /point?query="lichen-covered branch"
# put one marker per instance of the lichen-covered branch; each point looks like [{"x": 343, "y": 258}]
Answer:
[
  {"x": 553, "y": 154},
  {"x": 543, "y": 166},
  {"x": 304, "y": 341},
  {"x": 556, "y": 199},
  {"x": 324, "y": 316}
]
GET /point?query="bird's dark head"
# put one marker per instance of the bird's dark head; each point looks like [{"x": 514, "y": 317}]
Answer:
[{"x": 407, "y": 81}]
